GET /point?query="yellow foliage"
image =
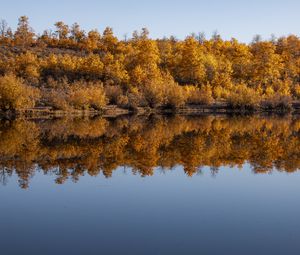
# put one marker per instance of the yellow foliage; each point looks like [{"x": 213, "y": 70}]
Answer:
[
  {"x": 164, "y": 92},
  {"x": 14, "y": 94},
  {"x": 297, "y": 91},
  {"x": 189, "y": 65},
  {"x": 56, "y": 98},
  {"x": 201, "y": 95},
  {"x": 84, "y": 96},
  {"x": 215, "y": 67},
  {"x": 27, "y": 65},
  {"x": 175, "y": 95},
  {"x": 244, "y": 97}
]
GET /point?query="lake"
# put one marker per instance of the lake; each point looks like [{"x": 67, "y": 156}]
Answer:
[{"x": 150, "y": 185}]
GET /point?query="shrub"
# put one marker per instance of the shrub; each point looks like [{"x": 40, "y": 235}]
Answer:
[
  {"x": 87, "y": 95},
  {"x": 122, "y": 101},
  {"x": 15, "y": 94},
  {"x": 58, "y": 99},
  {"x": 296, "y": 91},
  {"x": 278, "y": 102},
  {"x": 113, "y": 94},
  {"x": 97, "y": 98},
  {"x": 77, "y": 95},
  {"x": 243, "y": 98},
  {"x": 27, "y": 66},
  {"x": 219, "y": 92},
  {"x": 163, "y": 92},
  {"x": 133, "y": 100},
  {"x": 201, "y": 95},
  {"x": 60, "y": 83},
  {"x": 153, "y": 93},
  {"x": 176, "y": 96}
]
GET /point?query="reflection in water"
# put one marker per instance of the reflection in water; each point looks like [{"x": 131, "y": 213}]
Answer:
[{"x": 69, "y": 148}]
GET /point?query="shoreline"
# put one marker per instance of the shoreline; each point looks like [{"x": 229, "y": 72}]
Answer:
[{"x": 115, "y": 111}]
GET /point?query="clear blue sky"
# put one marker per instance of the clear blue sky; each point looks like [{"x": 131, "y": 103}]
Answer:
[{"x": 232, "y": 18}]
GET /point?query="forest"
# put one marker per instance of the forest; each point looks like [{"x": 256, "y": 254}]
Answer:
[
  {"x": 68, "y": 68},
  {"x": 68, "y": 148}
]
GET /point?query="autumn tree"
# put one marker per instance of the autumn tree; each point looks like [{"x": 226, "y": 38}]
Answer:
[
  {"x": 92, "y": 41},
  {"x": 266, "y": 65},
  {"x": 143, "y": 60},
  {"x": 77, "y": 34},
  {"x": 288, "y": 48},
  {"x": 188, "y": 65},
  {"x": 62, "y": 30},
  {"x": 24, "y": 35},
  {"x": 109, "y": 41}
]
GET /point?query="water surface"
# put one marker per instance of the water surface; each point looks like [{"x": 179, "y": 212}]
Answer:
[{"x": 150, "y": 185}]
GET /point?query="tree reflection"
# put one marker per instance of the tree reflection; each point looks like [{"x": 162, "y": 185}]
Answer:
[{"x": 71, "y": 148}]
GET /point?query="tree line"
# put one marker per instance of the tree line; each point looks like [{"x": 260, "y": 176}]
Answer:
[{"x": 69, "y": 68}]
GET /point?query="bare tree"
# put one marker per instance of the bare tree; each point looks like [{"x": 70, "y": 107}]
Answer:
[
  {"x": 201, "y": 37},
  {"x": 3, "y": 28}
]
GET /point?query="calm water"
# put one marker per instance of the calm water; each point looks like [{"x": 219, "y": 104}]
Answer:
[{"x": 156, "y": 185}]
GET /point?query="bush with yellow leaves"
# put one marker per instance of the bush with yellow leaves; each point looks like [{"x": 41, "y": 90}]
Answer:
[
  {"x": 78, "y": 95},
  {"x": 15, "y": 94},
  {"x": 176, "y": 96},
  {"x": 244, "y": 98},
  {"x": 280, "y": 103},
  {"x": 154, "y": 93},
  {"x": 85, "y": 95},
  {"x": 164, "y": 92},
  {"x": 201, "y": 95},
  {"x": 113, "y": 93},
  {"x": 56, "y": 98}
]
